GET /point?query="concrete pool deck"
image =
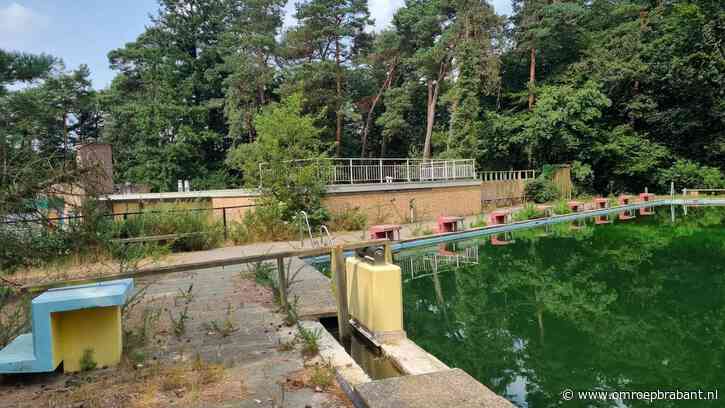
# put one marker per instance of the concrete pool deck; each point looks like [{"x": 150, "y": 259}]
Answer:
[{"x": 313, "y": 290}]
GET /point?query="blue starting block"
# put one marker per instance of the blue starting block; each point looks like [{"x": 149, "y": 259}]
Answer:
[{"x": 68, "y": 323}]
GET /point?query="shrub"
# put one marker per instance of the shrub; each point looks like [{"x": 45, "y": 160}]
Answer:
[
  {"x": 88, "y": 362},
  {"x": 323, "y": 375},
  {"x": 310, "y": 340},
  {"x": 265, "y": 223},
  {"x": 479, "y": 222},
  {"x": 349, "y": 219},
  {"x": 202, "y": 229},
  {"x": 528, "y": 212},
  {"x": 14, "y": 314},
  {"x": 688, "y": 174},
  {"x": 561, "y": 207},
  {"x": 286, "y": 133},
  {"x": 420, "y": 230},
  {"x": 541, "y": 190}
]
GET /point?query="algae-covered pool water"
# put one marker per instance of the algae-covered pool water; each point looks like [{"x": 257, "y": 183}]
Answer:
[{"x": 635, "y": 305}]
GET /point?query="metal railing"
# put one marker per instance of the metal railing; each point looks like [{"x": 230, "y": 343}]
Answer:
[
  {"x": 510, "y": 175},
  {"x": 379, "y": 171},
  {"x": 21, "y": 223},
  {"x": 417, "y": 266},
  {"x": 703, "y": 191}
]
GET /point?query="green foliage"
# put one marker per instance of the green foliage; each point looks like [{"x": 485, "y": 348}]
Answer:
[
  {"x": 17, "y": 66},
  {"x": 310, "y": 340},
  {"x": 541, "y": 190},
  {"x": 266, "y": 223},
  {"x": 479, "y": 222},
  {"x": 688, "y": 174},
  {"x": 561, "y": 207},
  {"x": 349, "y": 219},
  {"x": 421, "y": 230},
  {"x": 199, "y": 228},
  {"x": 529, "y": 211},
  {"x": 14, "y": 313},
  {"x": 285, "y": 134},
  {"x": 323, "y": 375},
  {"x": 620, "y": 90},
  {"x": 262, "y": 272},
  {"x": 87, "y": 361}
]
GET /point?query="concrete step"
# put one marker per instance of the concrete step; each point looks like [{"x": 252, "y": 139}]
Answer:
[{"x": 18, "y": 356}]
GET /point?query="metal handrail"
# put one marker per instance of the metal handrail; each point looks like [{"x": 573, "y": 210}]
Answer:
[
  {"x": 325, "y": 232},
  {"x": 381, "y": 170},
  {"x": 509, "y": 175},
  {"x": 306, "y": 219}
]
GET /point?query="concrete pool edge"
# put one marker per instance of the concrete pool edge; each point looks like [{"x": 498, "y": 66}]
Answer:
[
  {"x": 515, "y": 226},
  {"x": 415, "y": 365}
]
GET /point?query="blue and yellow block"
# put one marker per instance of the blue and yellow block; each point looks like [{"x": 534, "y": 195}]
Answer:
[{"x": 67, "y": 322}]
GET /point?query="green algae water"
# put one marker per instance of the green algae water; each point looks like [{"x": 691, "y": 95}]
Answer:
[{"x": 635, "y": 305}]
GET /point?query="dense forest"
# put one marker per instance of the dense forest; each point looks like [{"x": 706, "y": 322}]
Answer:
[{"x": 629, "y": 92}]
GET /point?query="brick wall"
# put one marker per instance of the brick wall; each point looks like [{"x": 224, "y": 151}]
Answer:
[
  {"x": 233, "y": 214},
  {"x": 395, "y": 206}
]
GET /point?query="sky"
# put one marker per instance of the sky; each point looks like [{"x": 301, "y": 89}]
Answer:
[{"x": 84, "y": 31}]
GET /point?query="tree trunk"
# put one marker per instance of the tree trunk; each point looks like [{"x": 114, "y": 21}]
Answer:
[
  {"x": 532, "y": 79},
  {"x": 65, "y": 138},
  {"x": 383, "y": 146},
  {"x": 432, "y": 96},
  {"x": 338, "y": 130},
  {"x": 433, "y": 90},
  {"x": 369, "y": 121}
]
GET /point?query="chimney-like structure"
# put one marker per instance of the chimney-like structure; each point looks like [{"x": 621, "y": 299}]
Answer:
[{"x": 97, "y": 158}]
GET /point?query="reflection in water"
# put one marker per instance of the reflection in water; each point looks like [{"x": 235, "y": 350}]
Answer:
[
  {"x": 376, "y": 366},
  {"x": 628, "y": 306}
]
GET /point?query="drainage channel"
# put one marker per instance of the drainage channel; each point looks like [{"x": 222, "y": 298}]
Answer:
[{"x": 364, "y": 352}]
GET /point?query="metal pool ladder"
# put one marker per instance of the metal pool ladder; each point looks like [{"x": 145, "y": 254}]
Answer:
[
  {"x": 325, "y": 232},
  {"x": 306, "y": 219}
]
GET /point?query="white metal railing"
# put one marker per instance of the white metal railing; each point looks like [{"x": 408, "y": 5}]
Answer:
[
  {"x": 368, "y": 171},
  {"x": 510, "y": 175},
  {"x": 417, "y": 267},
  {"x": 703, "y": 191}
]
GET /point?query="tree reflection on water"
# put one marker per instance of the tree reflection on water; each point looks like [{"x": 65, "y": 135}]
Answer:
[{"x": 630, "y": 306}]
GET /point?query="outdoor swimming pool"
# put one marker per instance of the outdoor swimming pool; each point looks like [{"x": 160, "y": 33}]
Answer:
[{"x": 635, "y": 305}]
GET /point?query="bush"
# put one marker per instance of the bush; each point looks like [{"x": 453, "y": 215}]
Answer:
[
  {"x": 561, "y": 207},
  {"x": 266, "y": 223},
  {"x": 349, "y": 219},
  {"x": 87, "y": 361},
  {"x": 37, "y": 243},
  {"x": 688, "y": 174},
  {"x": 174, "y": 219},
  {"x": 528, "y": 212},
  {"x": 541, "y": 190},
  {"x": 479, "y": 222},
  {"x": 14, "y": 314}
]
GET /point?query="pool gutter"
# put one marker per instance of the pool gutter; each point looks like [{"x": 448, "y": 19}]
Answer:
[{"x": 515, "y": 226}]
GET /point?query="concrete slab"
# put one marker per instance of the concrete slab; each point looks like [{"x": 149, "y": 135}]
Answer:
[
  {"x": 450, "y": 388},
  {"x": 411, "y": 359},
  {"x": 312, "y": 289}
]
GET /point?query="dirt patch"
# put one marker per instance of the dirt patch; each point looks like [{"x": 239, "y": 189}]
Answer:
[{"x": 320, "y": 378}]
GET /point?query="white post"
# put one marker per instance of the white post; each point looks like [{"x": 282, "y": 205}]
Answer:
[
  {"x": 351, "y": 180},
  {"x": 407, "y": 169},
  {"x": 381, "y": 171},
  {"x": 260, "y": 176}
]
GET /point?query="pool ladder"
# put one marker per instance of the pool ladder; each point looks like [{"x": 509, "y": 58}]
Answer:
[{"x": 326, "y": 238}]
